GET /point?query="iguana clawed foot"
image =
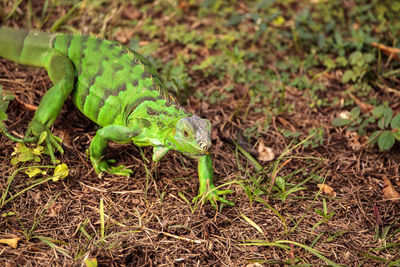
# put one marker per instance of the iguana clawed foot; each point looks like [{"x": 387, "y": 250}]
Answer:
[
  {"x": 41, "y": 133},
  {"x": 210, "y": 193},
  {"x": 207, "y": 190},
  {"x": 101, "y": 166}
]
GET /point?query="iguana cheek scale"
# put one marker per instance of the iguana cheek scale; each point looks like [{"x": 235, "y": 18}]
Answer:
[{"x": 117, "y": 89}]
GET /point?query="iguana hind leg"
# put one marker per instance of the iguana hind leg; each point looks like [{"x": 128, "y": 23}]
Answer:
[{"x": 61, "y": 72}]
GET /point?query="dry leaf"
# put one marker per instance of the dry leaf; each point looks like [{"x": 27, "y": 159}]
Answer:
[
  {"x": 389, "y": 192},
  {"x": 185, "y": 5},
  {"x": 390, "y": 51},
  {"x": 363, "y": 106},
  {"x": 265, "y": 153},
  {"x": 327, "y": 190},
  {"x": 65, "y": 137},
  {"x": 255, "y": 264},
  {"x": 131, "y": 12},
  {"x": 123, "y": 35},
  {"x": 353, "y": 140},
  {"x": 12, "y": 242},
  {"x": 286, "y": 124}
]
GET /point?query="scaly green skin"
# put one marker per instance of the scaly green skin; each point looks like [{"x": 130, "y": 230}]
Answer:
[{"x": 116, "y": 88}]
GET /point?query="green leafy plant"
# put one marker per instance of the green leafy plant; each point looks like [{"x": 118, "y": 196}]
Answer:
[
  {"x": 60, "y": 172},
  {"x": 23, "y": 153},
  {"x": 359, "y": 63},
  {"x": 380, "y": 117},
  {"x": 317, "y": 138},
  {"x": 5, "y": 99},
  {"x": 326, "y": 216},
  {"x": 285, "y": 189}
]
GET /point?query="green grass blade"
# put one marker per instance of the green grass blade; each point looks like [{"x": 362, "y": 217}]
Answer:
[
  {"x": 312, "y": 251},
  {"x": 12, "y": 11},
  {"x": 252, "y": 223},
  {"x": 258, "y": 199},
  {"x": 282, "y": 244},
  {"x": 102, "y": 227},
  {"x": 3, "y": 201},
  {"x": 56, "y": 25},
  {"x": 249, "y": 157},
  {"x": 51, "y": 243}
]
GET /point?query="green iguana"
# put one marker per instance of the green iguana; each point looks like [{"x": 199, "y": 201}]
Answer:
[{"x": 116, "y": 88}]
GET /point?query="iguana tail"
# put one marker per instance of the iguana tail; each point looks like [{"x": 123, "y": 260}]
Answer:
[{"x": 25, "y": 47}]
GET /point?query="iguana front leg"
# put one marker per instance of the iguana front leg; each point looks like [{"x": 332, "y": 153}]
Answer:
[
  {"x": 61, "y": 72},
  {"x": 207, "y": 190},
  {"x": 115, "y": 133},
  {"x": 159, "y": 152}
]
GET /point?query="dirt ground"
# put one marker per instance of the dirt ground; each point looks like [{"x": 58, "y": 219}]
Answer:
[{"x": 148, "y": 222}]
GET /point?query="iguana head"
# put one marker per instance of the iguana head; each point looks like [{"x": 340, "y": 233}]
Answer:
[{"x": 192, "y": 136}]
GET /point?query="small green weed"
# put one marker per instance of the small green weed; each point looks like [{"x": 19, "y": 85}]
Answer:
[
  {"x": 284, "y": 188},
  {"x": 60, "y": 172},
  {"x": 5, "y": 99},
  {"x": 326, "y": 216},
  {"x": 380, "y": 117},
  {"x": 317, "y": 138},
  {"x": 360, "y": 65},
  {"x": 22, "y": 153}
]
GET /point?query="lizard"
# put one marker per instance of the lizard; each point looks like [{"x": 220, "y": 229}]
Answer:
[{"x": 119, "y": 90}]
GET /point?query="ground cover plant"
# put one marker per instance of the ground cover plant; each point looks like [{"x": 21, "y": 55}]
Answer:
[{"x": 303, "y": 100}]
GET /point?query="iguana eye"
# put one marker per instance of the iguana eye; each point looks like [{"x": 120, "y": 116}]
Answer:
[{"x": 185, "y": 133}]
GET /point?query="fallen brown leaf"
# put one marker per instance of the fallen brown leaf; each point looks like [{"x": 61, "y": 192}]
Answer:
[
  {"x": 389, "y": 192},
  {"x": 131, "y": 12},
  {"x": 265, "y": 153},
  {"x": 390, "y": 51},
  {"x": 123, "y": 35},
  {"x": 327, "y": 190},
  {"x": 12, "y": 242},
  {"x": 353, "y": 140},
  {"x": 287, "y": 124},
  {"x": 363, "y": 106}
]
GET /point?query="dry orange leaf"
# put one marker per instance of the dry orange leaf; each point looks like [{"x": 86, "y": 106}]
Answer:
[
  {"x": 123, "y": 35},
  {"x": 389, "y": 192},
  {"x": 363, "y": 106},
  {"x": 265, "y": 153},
  {"x": 390, "y": 51},
  {"x": 327, "y": 190},
  {"x": 12, "y": 242},
  {"x": 130, "y": 12}
]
